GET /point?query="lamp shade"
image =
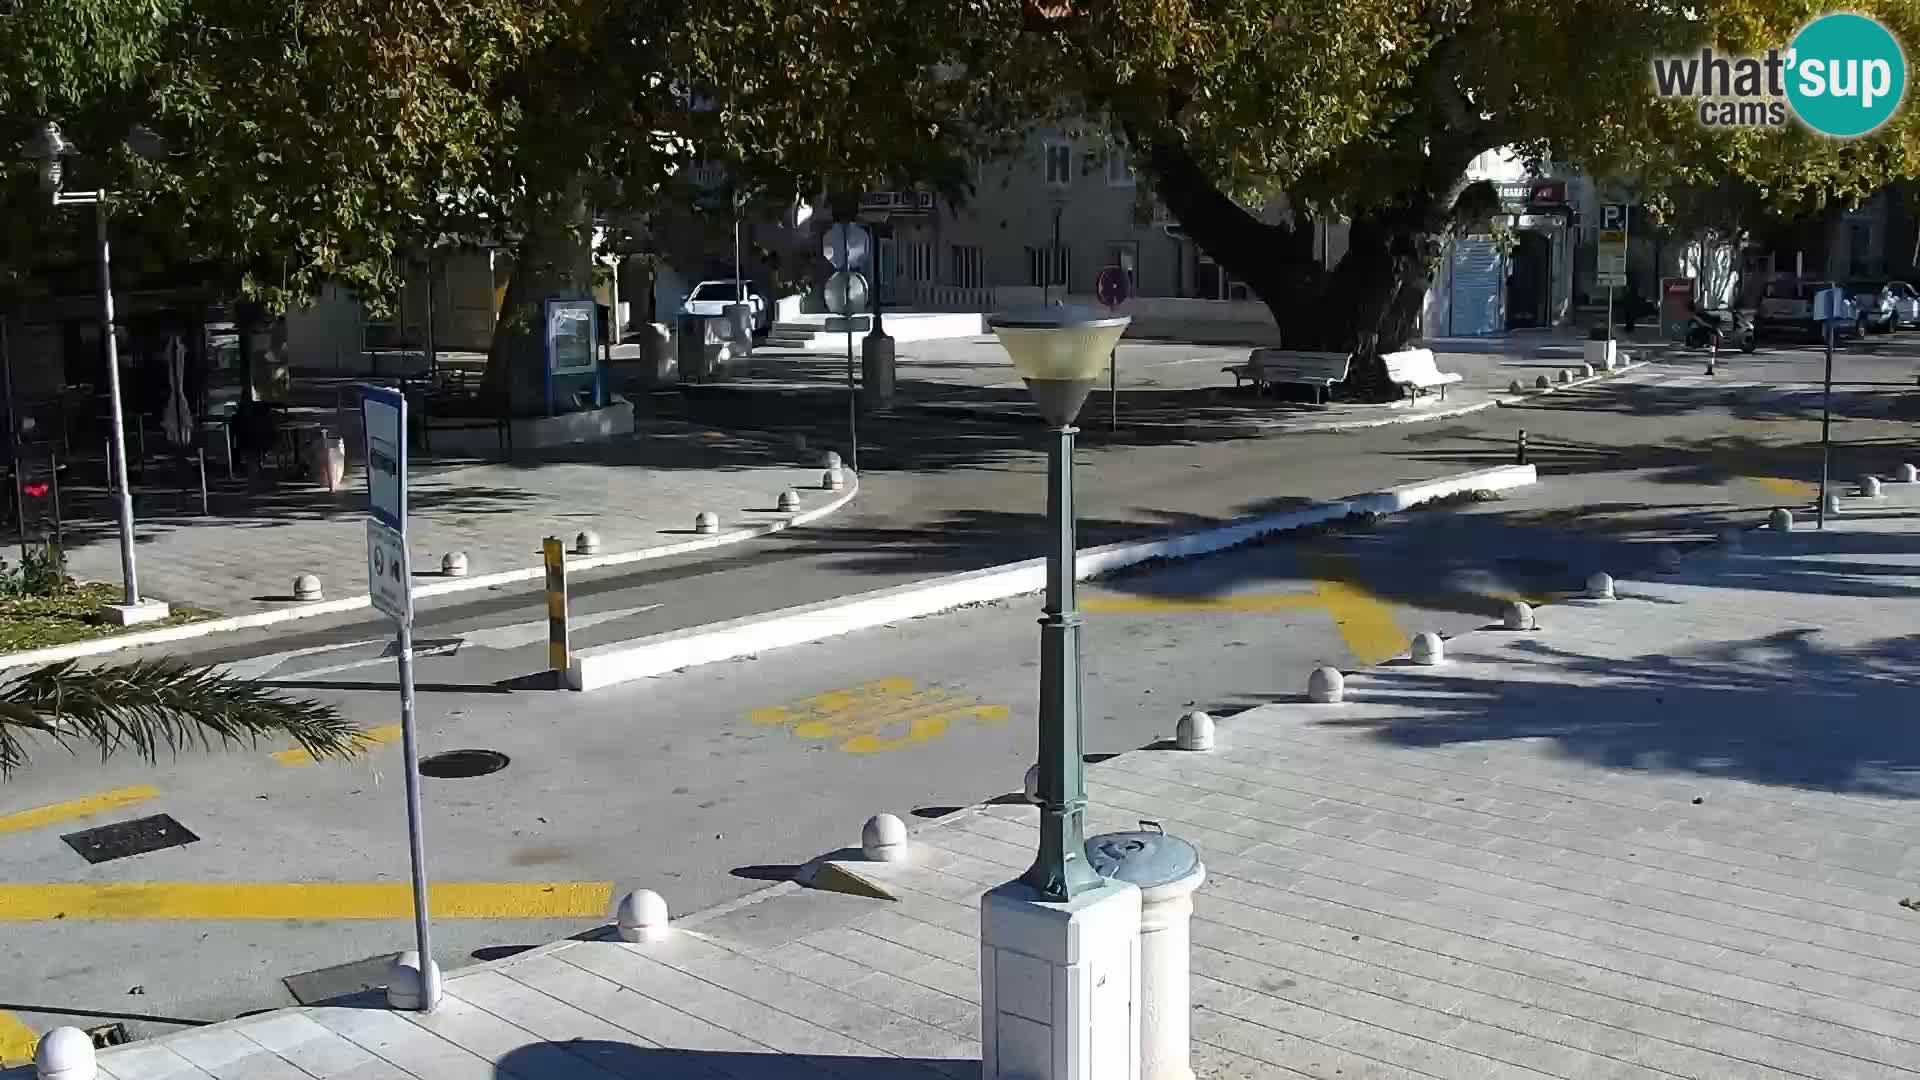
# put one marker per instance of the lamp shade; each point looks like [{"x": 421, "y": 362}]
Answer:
[{"x": 1058, "y": 344}]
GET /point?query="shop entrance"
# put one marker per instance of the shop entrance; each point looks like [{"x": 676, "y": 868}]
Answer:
[{"x": 1530, "y": 281}]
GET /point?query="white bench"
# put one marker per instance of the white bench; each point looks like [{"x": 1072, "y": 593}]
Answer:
[
  {"x": 1274, "y": 367},
  {"x": 1415, "y": 370}
]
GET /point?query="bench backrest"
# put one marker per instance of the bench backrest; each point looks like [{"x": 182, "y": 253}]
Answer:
[
  {"x": 1282, "y": 365},
  {"x": 1411, "y": 365}
]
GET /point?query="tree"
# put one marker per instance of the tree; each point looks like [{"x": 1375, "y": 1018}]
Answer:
[{"x": 148, "y": 706}]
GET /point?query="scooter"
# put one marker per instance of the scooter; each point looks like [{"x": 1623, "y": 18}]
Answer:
[{"x": 1721, "y": 329}]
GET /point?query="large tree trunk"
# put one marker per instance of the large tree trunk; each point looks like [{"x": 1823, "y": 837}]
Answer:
[
  {"x": 1369, "y": 304},
  {"x": 552, "y": 260}
]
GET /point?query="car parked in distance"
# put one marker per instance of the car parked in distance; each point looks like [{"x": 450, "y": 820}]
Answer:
[
  {"x": 711, "y": 298},
  {"x": 1906, "y": 304},
  {"x": 1786, "y": 308},
  {"x": 1874, "y": 299}
]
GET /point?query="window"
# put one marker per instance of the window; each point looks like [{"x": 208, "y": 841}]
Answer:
[
  {"x": 1049, "y": 266},
  {"x": 1119, "y": 167},
  {"x": 969, "y": 267},
  {"x": 1059, "y": 162},
  {"x": 916, "y": 261}
]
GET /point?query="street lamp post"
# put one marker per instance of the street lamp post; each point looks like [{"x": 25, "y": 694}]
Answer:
[
  {"x": 1061, "y": 914},
  {"x": 51, "y": 149}
]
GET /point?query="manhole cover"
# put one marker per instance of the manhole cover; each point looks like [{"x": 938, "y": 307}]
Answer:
[
  {"x": 128, "y": 838},
  {"x": 461, "y": 764}
]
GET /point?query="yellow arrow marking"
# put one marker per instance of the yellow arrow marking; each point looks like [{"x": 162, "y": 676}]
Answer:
[
  {"x": 296, "y": 757},
  {"x": 1787, "y": 488},
  {"x": 879, "y": 716},
  {"x": 17, "y": 1041},
  {"x": 314, "y": 900},
  {"x": 1366, "y": 623},
  {"x": 76, "y": 808}
]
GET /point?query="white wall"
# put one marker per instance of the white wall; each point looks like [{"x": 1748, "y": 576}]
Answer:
[{"x": 328, "y": 334}]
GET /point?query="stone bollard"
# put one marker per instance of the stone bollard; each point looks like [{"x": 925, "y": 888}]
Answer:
[
  {"x": 884, "y": 839},
  {"x": 1586, "y": 371},
  {"x": 1326, "y": 686},
  {"x": 306, "y": 587},
  {"x": 1833, "y": 504},
  {"x": 1167, "y": 870},
  {"x": 408, "y": 987},
  {"x": 1600, "y": 587},
  {"x": 641, "y": 918},
  {"x": 789, "y": 501},
  {"x": 830, "y": 460},
  {"x": 1908, "y": 474},
  {"x": 586, "y": 543},
  {"x": 1194, "y": 732},
  {"x": 454, "y": 564},
  {"x": 1031, "y": 785},
  {"x": 1666, "y": 559},
  {"x": 1869, "y": 487},
  {"x": 1518, "y": 616},
  {"x": 1542, "y": 383},
  {"x": 1428, "y": 649},
  {"x": 706, "y": 521},
  {"x": 831, "y": 480},
  {"x": 1514, "y": 387},
  {"x": 65, "y": 1053},
  {"x": 1781, "y": 520}
]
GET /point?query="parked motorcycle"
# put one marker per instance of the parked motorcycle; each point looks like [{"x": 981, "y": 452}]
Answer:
[{"x": 1721, "y": 329}]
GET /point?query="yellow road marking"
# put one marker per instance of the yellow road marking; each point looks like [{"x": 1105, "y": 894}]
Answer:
[
  {"x": 297, "y": 757},
  {"x": 17, "y": 1041},
  {"x": 879, "y": 716},
  {"x": 1251, "y": 603},
  {"x": 75, "y": 808},
  {"x": 315, "y": 900},
  {"x": 1787, "y": 488},
  {"x": 1366, "y": 623}
]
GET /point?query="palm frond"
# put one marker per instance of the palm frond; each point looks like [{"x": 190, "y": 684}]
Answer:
[{"x": 152, "y": 705}]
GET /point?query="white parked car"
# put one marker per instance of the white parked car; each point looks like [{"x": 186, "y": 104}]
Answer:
[
  {"x": 1906, "y": 304},
  {"x": 712, "y": 297},
  {"x": 1874, "y": 302},
  {"x": 1787, "y": 308}
]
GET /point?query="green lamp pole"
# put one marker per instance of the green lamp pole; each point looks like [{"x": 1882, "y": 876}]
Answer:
[{"x": 1060, "y": 353}]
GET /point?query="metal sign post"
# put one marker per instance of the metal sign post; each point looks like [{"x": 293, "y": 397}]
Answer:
[
  {"x": 1114, "y": 287},
  {"x": 1614, "y": 235},
  {"x": 390, "y": 580},
  {"x": 559, "y": 645},
  {"x": 1829, "y": 306},
  {"x": 847, "y": 247}
]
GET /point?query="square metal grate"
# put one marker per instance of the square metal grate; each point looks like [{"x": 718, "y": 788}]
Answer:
[{"x": 124, "y": 838}]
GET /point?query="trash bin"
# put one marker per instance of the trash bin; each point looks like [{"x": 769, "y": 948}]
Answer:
[
  {"x": 1167, "y": 869},
  {"x": 876, "y": 371},
  {"x": 702, "y": 350},
  {"x": 739, "y": 324}
]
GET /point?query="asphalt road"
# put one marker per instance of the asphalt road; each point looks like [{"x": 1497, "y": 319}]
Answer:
[{"x": 708, "y": 783}]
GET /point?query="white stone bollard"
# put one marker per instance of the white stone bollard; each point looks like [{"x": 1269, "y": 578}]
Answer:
[
  {"x": 1586, "y": 371},
  {"x": 884, "y": 839},
  {"x": 1909, "y": 474},
  {"x": 1514, "y": 387},
  {"x": 1542, "y": 382},
  {"x": 408, "y": 987},
  {"x": 1600, "y": 587},
  {"x": 642, "y": 917},
  {"x": 1518, "y": 616},
  {"x": 831, "y": 480},
  {"x": 789, "y": 501},
  {"x": 1781, "y": 520},
  {"x": 1428, "y": 649},
  {"x": 65, "y": 1053},
  {"x": 1869, "y": 487},
  {"x": 830, "y": 460},
  {"x": 1833, "y": 503},
  {"x": 586, "y": 543},
  {"x": 1326, "y": 685},
  {"x": 1566, "y": 375},
  {"x": 1195, "y": 732},
  {"x": 454, "y": 564},
  {"x": 706, "y": 521},
  {"x": 306, "y": 587},
  {"x": 1031, "y": 785}
]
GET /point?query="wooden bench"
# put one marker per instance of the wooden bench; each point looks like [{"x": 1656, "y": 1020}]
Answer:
[
  {"x": 1275, "y": 367},
  {"x": 1415, "y": 370}
]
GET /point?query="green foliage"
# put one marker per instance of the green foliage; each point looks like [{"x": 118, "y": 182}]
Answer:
[
  {"x": 149, "y": 706},
  {"x": 42, "y": 573}
]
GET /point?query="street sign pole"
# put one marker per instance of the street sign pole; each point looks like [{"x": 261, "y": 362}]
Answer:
[
  {"x": 847, "y": 248},
  {"x": 390, "y": 581},
  {"x": 1113, "y": 287},
  {"x": 1826, "y": 429}
]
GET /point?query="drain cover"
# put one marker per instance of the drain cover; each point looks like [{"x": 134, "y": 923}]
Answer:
[
  {"x": 461, "y": 764},
  {"x": 136, "y": 837}
]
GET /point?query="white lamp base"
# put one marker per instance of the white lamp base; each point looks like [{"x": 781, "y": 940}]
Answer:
[
  {"x": 1603, "y": 355},
  {"x": 145, "y": 611},
  {"x": 1060, "y": 984}
]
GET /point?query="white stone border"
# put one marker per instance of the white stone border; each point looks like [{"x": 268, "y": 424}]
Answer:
[
  {"x": 188, "y": 631},
  {"x": 624, "y": 661},
  {"x": 1507, "y": 398}
]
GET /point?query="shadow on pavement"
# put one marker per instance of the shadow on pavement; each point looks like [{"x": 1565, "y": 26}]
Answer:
[{"x": 562, "y": 1061}]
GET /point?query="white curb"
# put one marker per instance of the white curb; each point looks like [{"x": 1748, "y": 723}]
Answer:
[
  {"x": 624, "y": 661},
  {"x": 188, "y": 631}
]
